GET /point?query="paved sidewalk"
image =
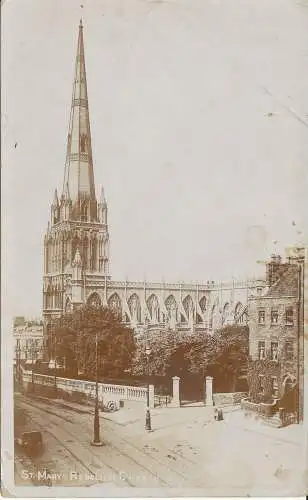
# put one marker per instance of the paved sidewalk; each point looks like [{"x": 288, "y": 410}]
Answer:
[{"x": 291, "y": 434}]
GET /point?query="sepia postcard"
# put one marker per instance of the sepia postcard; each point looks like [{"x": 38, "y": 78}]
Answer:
[{"x": 154, "y": 248}]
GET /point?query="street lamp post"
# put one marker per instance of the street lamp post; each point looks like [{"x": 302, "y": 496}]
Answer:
[
  {"x": 32, "y": 366},
  {"x": 96, "y": 441},
  {"x": 148, "y": 414},
  {"x": 55, "y": 365}
]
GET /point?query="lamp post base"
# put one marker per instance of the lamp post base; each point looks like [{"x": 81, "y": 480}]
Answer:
[{"x": 97, "y": 443}]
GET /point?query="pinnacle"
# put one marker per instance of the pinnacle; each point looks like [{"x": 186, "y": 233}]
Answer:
[
  {"x": 67, "y": 192},
  {"x": 56, "y": 199},
  {"x": 77, "y": 258},
  {"x": 103, "y": 199}
]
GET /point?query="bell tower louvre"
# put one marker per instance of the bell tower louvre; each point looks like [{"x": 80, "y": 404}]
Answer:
[{"x": 76, "y": 244}]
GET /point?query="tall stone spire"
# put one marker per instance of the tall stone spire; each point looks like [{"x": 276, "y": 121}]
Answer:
[
  {"x": 76, "y": 245},
  {"x": 79, "y": 176}
]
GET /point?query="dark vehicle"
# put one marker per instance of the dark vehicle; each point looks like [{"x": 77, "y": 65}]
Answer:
[{"x": 31, "y": 442}]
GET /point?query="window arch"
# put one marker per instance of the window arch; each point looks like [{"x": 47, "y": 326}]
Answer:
[
  {"x": 213, "y": 316},
  {"x": 238, "y": 308},
  {"x": 114, "y": 303},
  {"x": 135, "y": 308},
  {"x": 49, "y": 297},
  {"x": 203, "y": 304},
  {"x": 94, "y": 300},
  {"x": 94, "y": 254},
  {"x": 85, "y": 252},
  {"x": 171, "y": 306},
  {"x": 84, "y": 211},
  {"x": 68, "y": 305},
  {"x": 238, "y": 311},
  {"x": 188, "y": 306},
  {"x": 225, "y": 313},
  {"x": 198, "y": 318},
  {"x": 153, "y": 306},
  {"x": 75, "y": 244}
]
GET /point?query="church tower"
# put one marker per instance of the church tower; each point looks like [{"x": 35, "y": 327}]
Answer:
[{"x": 76, "y": 244}]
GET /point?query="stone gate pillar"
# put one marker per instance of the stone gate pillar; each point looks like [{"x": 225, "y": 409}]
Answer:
[
  {"x": 176, "y": 391},
  {"x": 209, "y": 391}
]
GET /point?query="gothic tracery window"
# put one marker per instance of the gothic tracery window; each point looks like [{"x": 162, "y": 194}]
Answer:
[
  {"x": 225, "y": 313},
  {"x": 135, "y": 308},
  {"x": 115, "y": 305},
  {"x": 84, "y": 211},
  {"x": 94, "y": 254},
  {"x": 153, "y": 306},
  {"x": 85, "y": 253},
  {"x": 202, "y": 303},
  {"x": 94, "y": 300},
  {"x": 188, "y": 306}
]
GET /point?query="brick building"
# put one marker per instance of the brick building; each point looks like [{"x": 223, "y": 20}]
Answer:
[{"x": 276, "y": 330}]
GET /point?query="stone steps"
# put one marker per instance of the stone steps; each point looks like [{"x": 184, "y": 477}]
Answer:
[{"x": 273, "y": 421}]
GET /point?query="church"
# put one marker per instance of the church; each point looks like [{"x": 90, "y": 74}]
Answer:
[{"x": 77, "y": 259}]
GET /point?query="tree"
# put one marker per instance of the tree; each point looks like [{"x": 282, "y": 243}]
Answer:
[
  {"x": 223, "y": 355},
  {"x": 75, "y": 337},
  {"x": 162, "y": 345},
  {"x": 231, "y": 348},
  {"x": 266, "y": 369}
]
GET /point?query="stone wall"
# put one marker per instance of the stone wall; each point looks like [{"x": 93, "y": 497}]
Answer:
[
  {"x": 265, "y": 409},
  {"x": 228, "y": 398}
]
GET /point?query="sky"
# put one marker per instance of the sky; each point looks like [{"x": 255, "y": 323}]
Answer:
[{"x": 199, "y": 120}]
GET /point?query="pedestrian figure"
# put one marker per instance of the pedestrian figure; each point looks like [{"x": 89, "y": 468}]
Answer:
[{"x": 218, "y": 415}]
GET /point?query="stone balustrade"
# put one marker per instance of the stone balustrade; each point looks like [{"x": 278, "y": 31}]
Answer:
[{"x": 108, "y": 391}]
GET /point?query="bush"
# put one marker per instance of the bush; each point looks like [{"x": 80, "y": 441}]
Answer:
[{"x": 267, "y": 369}]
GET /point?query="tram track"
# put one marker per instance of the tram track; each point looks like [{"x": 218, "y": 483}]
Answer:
[
  {"x": 122, "y": 444},
  {"x": 71, "y": 410},
  {"x": 171, "y": 454},
  {"x": 119, "y": 472}
]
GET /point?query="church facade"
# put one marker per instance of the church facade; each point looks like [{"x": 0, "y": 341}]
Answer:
[{"x": 76, "y": 251}]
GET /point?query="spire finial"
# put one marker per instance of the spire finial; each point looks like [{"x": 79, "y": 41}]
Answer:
[{"x": 80, "y": 23}]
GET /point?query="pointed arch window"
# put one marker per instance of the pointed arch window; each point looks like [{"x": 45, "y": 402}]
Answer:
[
  {"x": 85, "y": 252},
  {"x": 153, "y": 306},
  {"x": 212, "y": 322},
  {"x": 225, "y": 313},
  {"x": 203, "y": 304},
  {"x": 172, "y": 308},
  {"x": 94, "y": 300},
  {"x": 188, "y": 306},
  {"x": 75, "y": 245},
  {"x": 115, "y": 304},
  {"x": 94, "y": 254},
  {"x": 135, "y": 308},
  {"x": 84, "y": 211}
]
